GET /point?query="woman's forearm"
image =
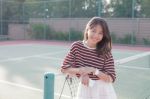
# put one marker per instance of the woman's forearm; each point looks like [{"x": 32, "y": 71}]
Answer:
[
  {"x": 70, "y": 71},
  {"x": 101, "y": 75},
  {"x": 105, "y": 77}
]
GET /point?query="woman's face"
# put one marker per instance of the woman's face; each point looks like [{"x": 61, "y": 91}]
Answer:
[{"x": 95, "y": 34}]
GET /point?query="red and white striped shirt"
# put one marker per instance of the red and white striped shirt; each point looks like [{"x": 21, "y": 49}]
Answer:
[{"x": 81, "y": 55}]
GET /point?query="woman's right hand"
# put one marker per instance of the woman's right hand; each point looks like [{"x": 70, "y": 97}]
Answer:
[
  {"x": 63, "y": 70},
  {"x": 86, "y": 70},
  {"x": 85, "y": 80}
]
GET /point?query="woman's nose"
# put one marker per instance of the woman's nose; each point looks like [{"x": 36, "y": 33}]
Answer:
[{"x": 96, "y": 35}]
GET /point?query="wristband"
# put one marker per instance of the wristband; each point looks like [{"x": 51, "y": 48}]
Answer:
[{"x": 97, "y": 72}]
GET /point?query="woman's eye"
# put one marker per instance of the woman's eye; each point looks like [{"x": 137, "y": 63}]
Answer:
[{"x": 93, "y": 31}]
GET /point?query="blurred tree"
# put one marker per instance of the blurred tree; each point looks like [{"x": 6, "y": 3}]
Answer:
[
  {"x": 145, "y": 6},
  {"x": 84, "y": 8},
  {"x": 121, "y": 8}
]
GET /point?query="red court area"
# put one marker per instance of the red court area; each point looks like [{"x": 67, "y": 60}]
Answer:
[{"x": 65, "y": 43}]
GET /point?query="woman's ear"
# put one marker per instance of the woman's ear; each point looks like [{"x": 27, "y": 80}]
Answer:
[
  {"x": 86, "y": 35},
  {"x": 110, "y": 45}
]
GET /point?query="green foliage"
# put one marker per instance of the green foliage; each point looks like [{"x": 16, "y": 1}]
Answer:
[
  {"x": 22, "y": 10},
  {"x": 145, "y": 6},
  {"x": 122, "y": 8},
  {"x": 41, "y": 31},
  {"x": 75, "y": 35},
  {"x": 114, "y": 37},
  {"x": 146, "y": 41},
  {"x": 60, "y": 36},
  {"x": 128, "y": 39},
  {"x": 4, "y": 38}
]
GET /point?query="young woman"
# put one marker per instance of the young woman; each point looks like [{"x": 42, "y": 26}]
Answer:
[{"x": 92, "y": 61}]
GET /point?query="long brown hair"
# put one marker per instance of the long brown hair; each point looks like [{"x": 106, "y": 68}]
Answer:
[{"x": 104, "y": 45}]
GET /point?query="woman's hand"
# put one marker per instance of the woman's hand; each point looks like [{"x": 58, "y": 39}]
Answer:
[
  {"x": 105, "y": 77},
  {"x": 85, "y": 80},
  {"x": 86, "y": 70},
  {"x": 64, "y": 71}
]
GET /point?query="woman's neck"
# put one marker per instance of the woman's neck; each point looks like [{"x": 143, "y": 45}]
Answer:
[{"x": 89, "y": 44}]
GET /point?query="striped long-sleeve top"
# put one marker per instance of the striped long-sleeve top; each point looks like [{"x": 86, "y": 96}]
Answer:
[{"x": 81, "y": 55}]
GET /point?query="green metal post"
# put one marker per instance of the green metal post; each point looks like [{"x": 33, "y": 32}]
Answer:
[
  {"x": 23, "y": 18},
  {"x": 133, "y": 8},
  {"x": 49, "y": 86},
  {"x": 44, "y": 36},
  {"x": 1, "y": 20},
  {"x": 149, "y": 60},
  {"x": 133, "y": 15},
  {"x": 99, "y": 7},
  {"x": 70, "y": 8}
]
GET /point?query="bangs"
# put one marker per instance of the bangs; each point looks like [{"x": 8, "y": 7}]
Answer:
[{"x": 91, "y": 26}]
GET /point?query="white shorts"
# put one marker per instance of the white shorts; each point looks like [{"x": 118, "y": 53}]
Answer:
[{"x": 99, "y": 90}]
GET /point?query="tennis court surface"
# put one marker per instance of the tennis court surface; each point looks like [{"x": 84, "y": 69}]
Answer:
[{"x": 23, "y": 64}]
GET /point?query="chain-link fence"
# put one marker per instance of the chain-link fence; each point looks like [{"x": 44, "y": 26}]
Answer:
[{"x": 66, "y": 19}]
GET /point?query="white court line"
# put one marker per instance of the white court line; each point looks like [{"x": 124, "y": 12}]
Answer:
[
  {"x": 17, "y": 45},
  {"x": 47, "y": 57},
  {"x": 128, "y": 59},
  {"x": 19, "y": 85},
  {"x": 26, "y": 57},
  {"x": 134, "y": 67},
  {"x": 29, "y": 88}
]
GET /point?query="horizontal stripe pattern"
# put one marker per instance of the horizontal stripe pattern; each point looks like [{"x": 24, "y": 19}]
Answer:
[{"x": 79, "y": 55}]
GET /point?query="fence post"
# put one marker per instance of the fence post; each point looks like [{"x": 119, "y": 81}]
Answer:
[{"x": 49, "y": 85}]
